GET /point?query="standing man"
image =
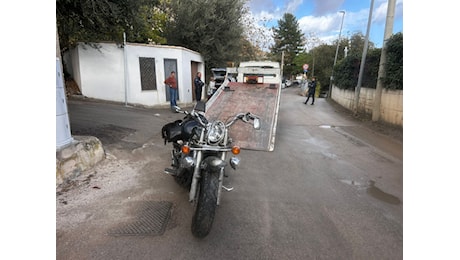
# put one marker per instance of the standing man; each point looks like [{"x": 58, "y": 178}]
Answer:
[
  {"x": 311, "y": 91},
  {"x": 172, "y": 84},
  {"x": 198, "y": 86}
]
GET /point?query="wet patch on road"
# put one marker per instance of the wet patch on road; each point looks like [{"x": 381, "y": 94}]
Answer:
[
  {"x": 381, "y": 195},
  {"x": 327, "y": 126},
  {"x": 374, "y": 191},
  {"x": 351, "y": 138}
]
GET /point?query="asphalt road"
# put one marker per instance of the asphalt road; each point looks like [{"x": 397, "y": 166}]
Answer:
[{"x": 331, "y": 189}]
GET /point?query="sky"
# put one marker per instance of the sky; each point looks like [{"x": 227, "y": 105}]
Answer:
[{"x": 322, "y": 18}]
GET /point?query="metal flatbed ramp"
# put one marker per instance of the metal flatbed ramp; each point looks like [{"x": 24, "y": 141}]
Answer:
[{"x": 259, "y": 99}]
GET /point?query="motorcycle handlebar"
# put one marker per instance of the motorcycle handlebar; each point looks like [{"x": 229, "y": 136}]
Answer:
[{"x": 245, "y": 117}]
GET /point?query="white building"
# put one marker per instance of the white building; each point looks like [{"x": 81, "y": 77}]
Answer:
[{"x": 133, "y": 73}]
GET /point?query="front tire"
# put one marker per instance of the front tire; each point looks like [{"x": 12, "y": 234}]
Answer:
[{"x": 206, "y": 204}]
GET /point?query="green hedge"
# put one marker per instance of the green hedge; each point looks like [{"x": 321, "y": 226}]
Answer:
[{"x": 347, "y": 70}]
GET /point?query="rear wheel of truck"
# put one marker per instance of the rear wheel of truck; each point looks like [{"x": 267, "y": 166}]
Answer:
[{"x": 206, "y": 204}]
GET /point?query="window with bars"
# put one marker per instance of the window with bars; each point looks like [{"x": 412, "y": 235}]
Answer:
[{"x": 148, "y": 75}]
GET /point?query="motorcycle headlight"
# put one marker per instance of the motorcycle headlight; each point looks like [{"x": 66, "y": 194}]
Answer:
[{"x": 216, "y": 132}]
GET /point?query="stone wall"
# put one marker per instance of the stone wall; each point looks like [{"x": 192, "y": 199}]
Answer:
[
  {"x": 83, "y": 153},
  {"x": 391, "y": 106}
]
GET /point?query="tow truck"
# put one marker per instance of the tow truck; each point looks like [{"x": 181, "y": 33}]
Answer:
[{"x": 256, "y": 89}]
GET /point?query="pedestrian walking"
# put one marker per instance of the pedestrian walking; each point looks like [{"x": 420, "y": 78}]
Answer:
[
  {"x": 198, "y": 86},
  {"x": 311, "y": 91},
  {"x": 172, "y": 85}
]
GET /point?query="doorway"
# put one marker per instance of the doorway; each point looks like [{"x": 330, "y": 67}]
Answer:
[
  {"x": 171, "y": 65},
  {"x": 194, "y": 69}
]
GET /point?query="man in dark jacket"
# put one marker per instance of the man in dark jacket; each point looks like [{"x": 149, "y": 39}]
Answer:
[
  {"x": 198, "y": 86},
  {"x": 311, "y": 91}
]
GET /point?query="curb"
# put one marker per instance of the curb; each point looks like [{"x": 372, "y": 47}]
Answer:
[{"x": 83, "y": 153}]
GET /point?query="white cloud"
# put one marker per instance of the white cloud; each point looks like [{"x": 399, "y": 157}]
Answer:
[
  {"x": 265, "y": 17},
  {"x": 325, "y": 27},
  {"x": 291, "y": 6},
  {"x": 318, "y": 24},
  {"x": 380, "y": 12}
]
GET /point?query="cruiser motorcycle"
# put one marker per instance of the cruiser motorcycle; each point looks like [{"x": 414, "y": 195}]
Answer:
[{"x": 199, "y": 155}]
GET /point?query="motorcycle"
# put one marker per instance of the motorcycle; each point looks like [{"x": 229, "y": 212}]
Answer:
[{"x": 199, "y": 154}]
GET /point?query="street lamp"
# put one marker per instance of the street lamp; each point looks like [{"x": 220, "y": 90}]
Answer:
[{"x": 336, "y": 52}]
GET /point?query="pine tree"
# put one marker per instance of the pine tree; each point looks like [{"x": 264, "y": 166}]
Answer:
[{"x": 290, "y": 39}]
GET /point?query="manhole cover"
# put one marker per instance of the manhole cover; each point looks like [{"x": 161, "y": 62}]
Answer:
[{"x": 151, "y": 220}]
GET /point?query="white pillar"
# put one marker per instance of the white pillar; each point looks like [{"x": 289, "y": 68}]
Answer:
[{"x": 63, "y": 136}]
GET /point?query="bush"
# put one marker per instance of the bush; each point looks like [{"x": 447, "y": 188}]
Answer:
[
  {"x": 394, "y": 66},
  {"x": 346, "y": 70}
]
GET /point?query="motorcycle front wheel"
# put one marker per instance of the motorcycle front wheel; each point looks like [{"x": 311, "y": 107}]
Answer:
[{"x": 206, "y": 204}]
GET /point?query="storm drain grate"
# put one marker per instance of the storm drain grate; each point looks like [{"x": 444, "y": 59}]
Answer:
[{"x": 151, "y": 220}]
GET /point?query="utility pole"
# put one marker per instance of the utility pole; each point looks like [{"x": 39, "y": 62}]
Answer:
[
  {"x": 383, "y": 60},
  {"x": 363, "y": 59},
  {"x": 313, "y": 67},
  {"x": 282, "y": 63},
  {"x": 329, "y": 95}
]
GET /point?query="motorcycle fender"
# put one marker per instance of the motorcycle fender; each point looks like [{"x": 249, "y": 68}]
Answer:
[{"x": 213, "y": 164}]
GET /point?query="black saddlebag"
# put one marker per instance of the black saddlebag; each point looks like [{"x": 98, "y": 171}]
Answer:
[{"x": 172, "y": 132}]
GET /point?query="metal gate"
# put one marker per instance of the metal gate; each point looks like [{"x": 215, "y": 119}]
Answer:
[{"x": 171, "y": 65}]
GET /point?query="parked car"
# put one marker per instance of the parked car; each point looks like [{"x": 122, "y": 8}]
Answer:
[
  {"x": 286, "y": 83},
  {"x": 219, "y": 75}
]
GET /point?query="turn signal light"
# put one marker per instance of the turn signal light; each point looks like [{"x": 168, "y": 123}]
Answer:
[
  {"x": 185, "y": 149},
  {"x": 236, "y": 150}
]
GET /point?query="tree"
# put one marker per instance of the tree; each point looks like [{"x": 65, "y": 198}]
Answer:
[
  {"x": 356, "y": 44},
  {"x": 249, "y": 51},
  {"x": 290, "y": 39},
  {"x": 300, "y": 59},
  {"x": 211, "y": 27},
  {"x": 257, "y": 35},
  {"x": 347, "y": 70},
  {"x": 311, "y": 42},
  {"x": 106, "y": 20},
  {"x": 325, "y": 54},
  {"x": 144, "y": 21}
]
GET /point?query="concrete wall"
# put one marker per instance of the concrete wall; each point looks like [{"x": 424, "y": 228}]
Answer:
[
  {"x": 391, "y": 106},
  {"x": 101, "y": 72}
]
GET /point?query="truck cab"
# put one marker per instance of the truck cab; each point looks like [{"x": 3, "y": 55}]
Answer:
[{"x": 257, "y": 72}]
